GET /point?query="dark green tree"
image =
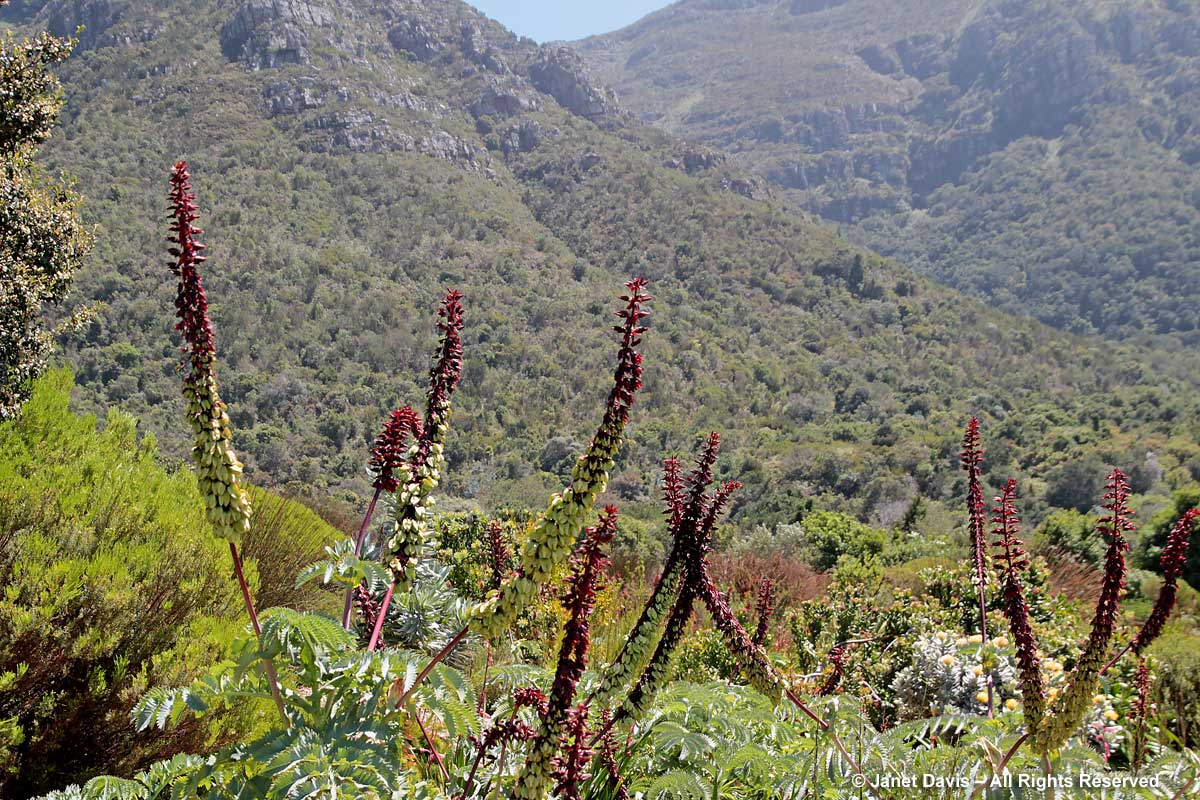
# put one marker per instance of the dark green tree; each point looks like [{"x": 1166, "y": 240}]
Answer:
[
  {"x": 42, "y": 239},
  {"x": 1154, "y": 536}
]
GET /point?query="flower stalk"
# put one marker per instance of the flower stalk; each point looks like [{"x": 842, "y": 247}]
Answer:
[
  {"x": 1171, "y": 562},
  {"x": 764, "y": 607},
  {"x": 1009, "y": 565},
  {"x": 588, "y": 565},
  {"x": 417, "y": 474},
  {"x": 1074, "y": 702},
  {"x": 971, "y": 459},
  {"x": 553, "y": 535},
  {"x": 226, "y": 503},
  {"x": 1140, "y": 713},
  {"x": 387, "y": 456}
]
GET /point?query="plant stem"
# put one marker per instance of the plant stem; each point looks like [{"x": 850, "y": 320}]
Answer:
[
  {"x": 484, "y": 687},
  {"x": 1050, "y": 793},
  {"x": 437, "y": 759},
  {"x": 383, "y": 609},
  {"x": 470, "y": 782},
  {"x": 837, "y": 742},
  {"x": 499, "y": 768},
  {"x": 1114, "y": 659},
  {"x": 358, "y": 543},
  {"x": 1012, "y": 751},
  {"x": 1183, "y": 790},
  {"x": 458, "y": 637},
  {"x": 268, "y": 664}
]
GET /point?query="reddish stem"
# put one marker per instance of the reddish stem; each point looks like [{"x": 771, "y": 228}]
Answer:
[
  {"x": 837, "y": 742},
  {"x": 358, "y": 543},
  {"x": 433, "y": 663},
  {"x": 383, "y": 609},
  {"x": 272, "y": 677},
  {"x": 437, "y": 759},
  {"x": 1115, "y": 658}
]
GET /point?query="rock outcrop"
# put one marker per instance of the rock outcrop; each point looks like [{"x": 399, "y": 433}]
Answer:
[
  {"x": 505, "y": 97},
  {"x": 98, "y": 18},
  {"x": 560, "y": 73},
  {"x": 417, "y": 37},
  {"x": 269, "y": 33}
]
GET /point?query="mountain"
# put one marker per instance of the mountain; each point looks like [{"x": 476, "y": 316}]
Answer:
[
  {"x": 1040, "y": 153},
  {"x": 354, "y": 158}
]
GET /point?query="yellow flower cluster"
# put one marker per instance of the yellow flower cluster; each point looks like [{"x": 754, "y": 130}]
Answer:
[
  {"x": 410, "y": 528},
  {"x": 226, "y": 504},
  {"x": 550, "y": 542}
]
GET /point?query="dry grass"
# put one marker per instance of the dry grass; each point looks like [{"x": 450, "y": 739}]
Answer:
[{"x": 1076, "y": 580}]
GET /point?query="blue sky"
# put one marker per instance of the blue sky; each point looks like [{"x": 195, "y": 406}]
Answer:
[{"x": 548, "y": 20}]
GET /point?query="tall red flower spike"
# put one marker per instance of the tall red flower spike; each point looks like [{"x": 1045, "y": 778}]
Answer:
[
  {"x": 443, "y": 377},
  {"x": 1010, "y": 562},
  {"x": 571, "y": 766},
  {"x": 1074, "y": 702},
  {"x": 1171, "y": 562},
  {"x": 409, "y": 531},
  {"x": 972, "y": 458},
  {"x": 1174, "y": 556},
  {"x": 685, "y": 577},
  {"x": 588, "y": 565},
  {"x": 191, "y": 304}
]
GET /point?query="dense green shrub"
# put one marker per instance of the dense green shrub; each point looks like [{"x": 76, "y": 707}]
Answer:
[
  {"x": 825, "y": 536},
  {"x": 1071, "y": 532},
  {"x": 1178, "y": 691},
  {"x": 112, "y": 585},
  {"x": 42, "y": 238}
]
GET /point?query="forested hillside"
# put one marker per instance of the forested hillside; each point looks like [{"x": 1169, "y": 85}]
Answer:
[
  {"x": 741, "y": 549},
  {"x": 359, "y": 156},
  {"x": 1040, "y": 153}
]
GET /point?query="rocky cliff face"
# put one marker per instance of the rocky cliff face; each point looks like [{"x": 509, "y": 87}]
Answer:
[
  {"x": 268, "y": 33},
  {"x": 96, "y": 17},
  {"x": 872, "y": 113}
]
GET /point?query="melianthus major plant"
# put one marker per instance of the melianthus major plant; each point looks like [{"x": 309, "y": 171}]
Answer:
[
  {"x": 1050, "y": 719},
  {"x": 379, "y": 704}
]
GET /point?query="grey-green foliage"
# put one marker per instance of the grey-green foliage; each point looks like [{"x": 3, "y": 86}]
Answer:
[{"x": 343, "y": 739}]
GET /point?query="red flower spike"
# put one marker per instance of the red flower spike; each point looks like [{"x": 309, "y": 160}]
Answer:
[
  {"x": 1011, "y": 561},
  {"x": 588, "y": 565},
  {"x": 571, "y": 767},
  {"x": 1174, "y": 556},
  {"x": 837, "y": 664},
  {"x": 391, "y": 446},
  {"x": 499, "y": 555},
  {"x": 444, "y": 376},
  {"x": 628, "y": 375},
  {"x": 1140, "y": 713},
  {"x": 673, "y": 492},
  {"x": 971, "y": 459},
  {"x": 543, "y": 763},
  {"x": 608, "y": 758},
  {"x": 1074, "y": 702},
  {"x": 531, "y": 697},
  {"x": 1115, "y": 524},
  {"x": 763, "y": 608},
  {"x": 191, "y": 304}
]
